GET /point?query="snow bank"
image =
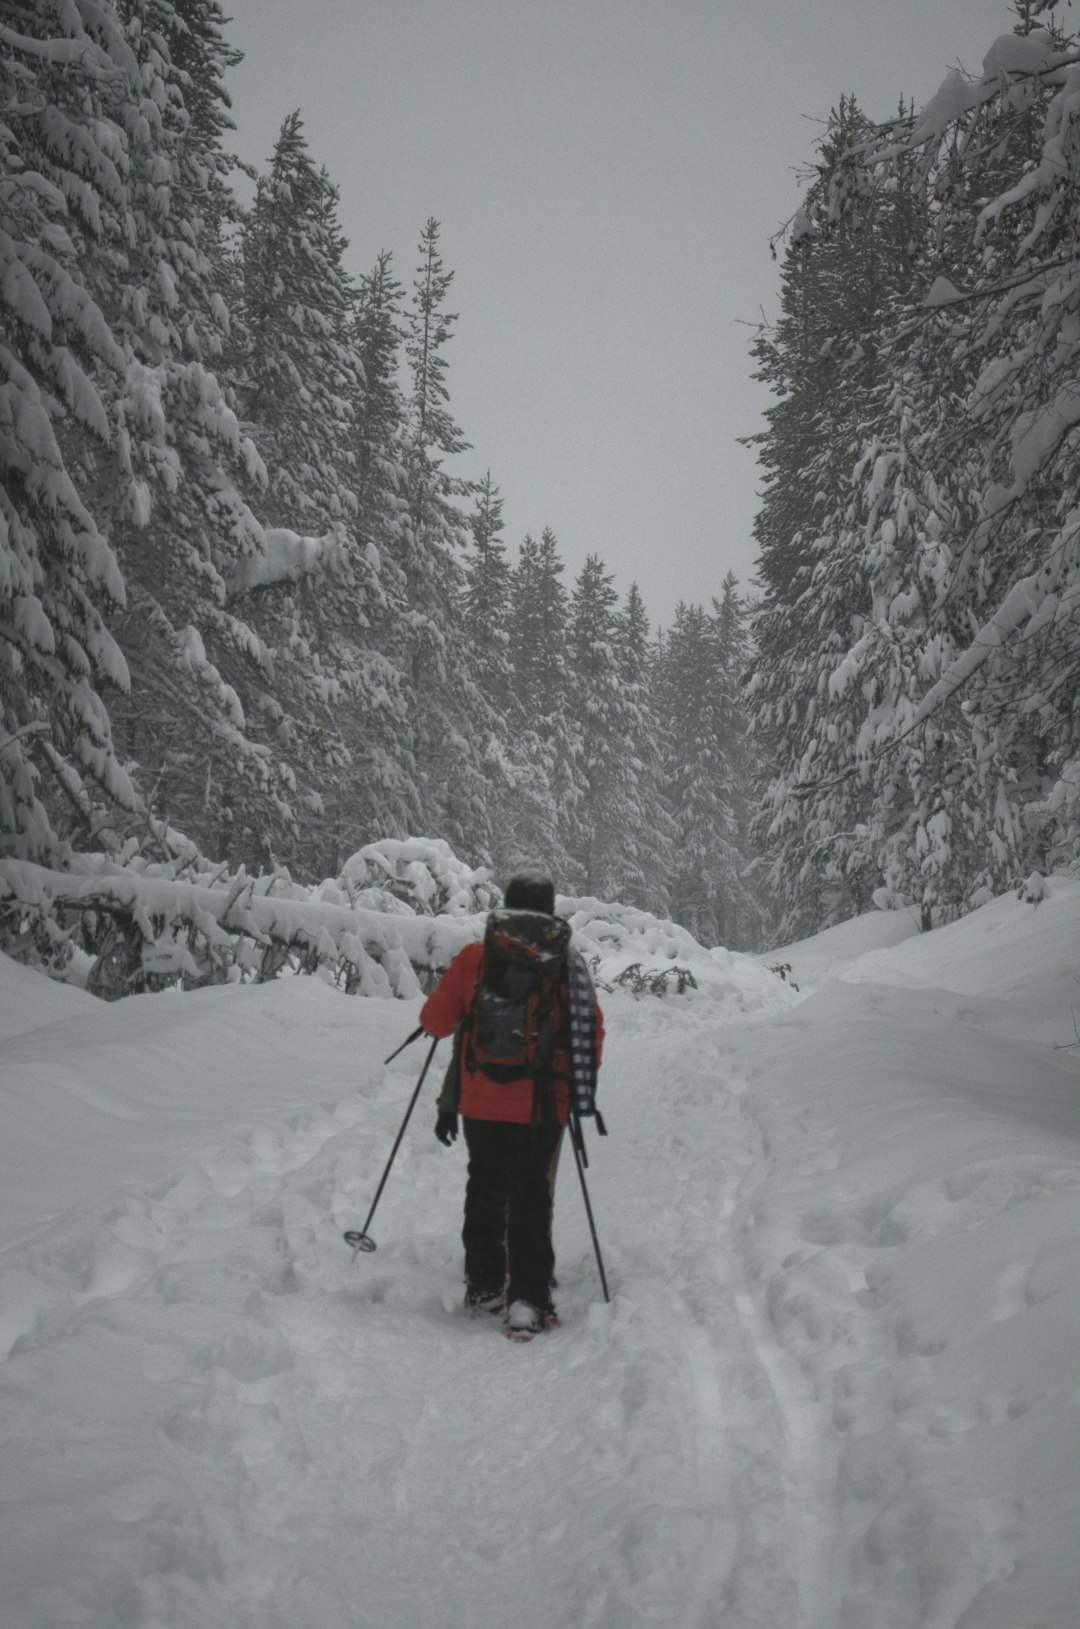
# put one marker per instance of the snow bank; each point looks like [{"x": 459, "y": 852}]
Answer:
[
  {"x": 28, "y": 1001},
  {"x": 103, "y": 1097},
  {"x": 912, "y": 1245},
  {"x": 1025, "y": 958},
  {"x": 829, "y": 954},
  {"x": 633, "y": 949}
]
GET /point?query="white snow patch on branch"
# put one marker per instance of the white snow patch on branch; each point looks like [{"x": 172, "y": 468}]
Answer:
[{"x": 287, "y": 556}]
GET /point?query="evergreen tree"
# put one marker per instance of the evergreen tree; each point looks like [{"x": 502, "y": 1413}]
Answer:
[
  {"x": 740, "y": 915},
  {"x": 175, "y": 490},
  {"x": 301, "y": 376},
  {"x": 705, "y": 886},
  {"x": 380, "y": 419},
  {"x": 544, "y": 744},
  {"x": 301, "y": 388},
  {"x": 114, "y": 323},
  {"x": 921, "y": 748},
  {"x": 485, "y": 604},
  {"x": 648, "y": 831},
  {"x": 454, "y": 729},
  {"x": 385, "y": 793},
  {"x": 825, "y": 361},
  {"x": 604, "y": 721}
]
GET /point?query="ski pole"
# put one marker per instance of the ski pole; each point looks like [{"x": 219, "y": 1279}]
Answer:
[
  {"x": 415, "y": 1036},
  {"x": 362, "y": 1240},
  {"x": 580, "y": 1159}
]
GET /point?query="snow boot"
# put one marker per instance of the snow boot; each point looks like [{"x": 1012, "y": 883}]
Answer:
[
  {"x": 478, "y": 1302},
  {"x": 524, "y": 1321}
]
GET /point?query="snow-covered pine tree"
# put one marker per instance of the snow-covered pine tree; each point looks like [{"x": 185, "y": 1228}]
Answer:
[
  {"x": 648, "y": 830},
  {"x": 824, "y": 360},
  {"x": 604, "y": 723},
  {"x": 78, "y": 115},
  {"x": 740, "y": 912},
  {"x": 997, "y": 163},
  {"x": 302, "y": 383},
  {"x": 485, "y": 600},
  {"x": 385, "y": 794},
  {"x": 541, "y": 747},
  {"x": 454, "y": 729},
  {"x": 380, "y": 417},
  {"x": 169, "y": 488},
  {"x": 694, "y": 689}
]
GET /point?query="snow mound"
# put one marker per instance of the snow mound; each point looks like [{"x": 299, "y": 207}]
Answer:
[
  {"x": 1022, "y": 955},
  {"x": 828, "y": 954},
  {"x": 28, "y": 1001},
  {"x": 421, "y": 874},
  {"x": 632, "y": 948}
]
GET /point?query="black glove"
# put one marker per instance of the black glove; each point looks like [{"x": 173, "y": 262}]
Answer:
[{"x": 446, "y": 1129}]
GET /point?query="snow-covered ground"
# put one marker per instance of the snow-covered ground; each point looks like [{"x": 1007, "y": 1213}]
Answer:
[{"x": 838, "y": 1385}]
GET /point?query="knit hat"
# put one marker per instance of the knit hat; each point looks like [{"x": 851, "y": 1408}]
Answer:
[{"x": 530, "y": 891}]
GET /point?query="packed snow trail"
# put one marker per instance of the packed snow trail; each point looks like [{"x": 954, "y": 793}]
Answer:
[
  {"x": 835, "y": 1387},
  {"x": 220, "y": 1420}
]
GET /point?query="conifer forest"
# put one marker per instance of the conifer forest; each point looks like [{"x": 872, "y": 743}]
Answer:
[{"x": 258, "y": 602}]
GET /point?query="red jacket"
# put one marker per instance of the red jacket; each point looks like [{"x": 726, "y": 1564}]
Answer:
[{"x": 481, "y": 1098}]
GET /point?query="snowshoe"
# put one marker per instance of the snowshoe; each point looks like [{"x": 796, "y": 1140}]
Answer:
[
  {"x": 481, "y": 1302},
  {"x": 524, "y": 1321}
]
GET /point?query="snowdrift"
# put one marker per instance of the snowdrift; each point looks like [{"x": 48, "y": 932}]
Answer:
[{"x": 913, "y": 1242}]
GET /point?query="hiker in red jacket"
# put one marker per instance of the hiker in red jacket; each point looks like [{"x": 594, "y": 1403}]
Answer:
[{"x": 528, "y": 1037}]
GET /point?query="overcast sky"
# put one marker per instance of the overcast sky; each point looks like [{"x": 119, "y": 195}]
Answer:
[{"x": 607, "y": 174}]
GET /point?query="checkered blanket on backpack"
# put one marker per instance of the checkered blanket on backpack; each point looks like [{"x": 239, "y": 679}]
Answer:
[{"x": 582, "y": 1036}]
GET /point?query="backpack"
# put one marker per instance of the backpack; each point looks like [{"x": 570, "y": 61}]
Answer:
[{"x": 510, "y": 1027}]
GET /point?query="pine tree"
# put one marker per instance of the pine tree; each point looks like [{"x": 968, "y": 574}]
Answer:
[
  {"x": 544, "y": 745},
  {"x": 825, "y": 361},
  {"x": 302, "y": 388},
  {"x": 301, "y": 378},
  {"x": 925, "y": 746},
  {"x": 107, "y": 389},
  {"x": 454, "y": 730},
  {"x": 739, "y": 912},
  {"x": 380, "y": 418},
  {"x": 648, "y": 832},
  {"x": 485, "y": 604},
  {"x": 600, "y": 710},
  {"x": 705, "y": 887},
  {"x": 385, "y": 792},
  {"x": 174, "y": 489}
]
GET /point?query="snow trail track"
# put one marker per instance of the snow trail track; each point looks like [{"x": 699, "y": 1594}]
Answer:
[
  {"x": 835, "y": 1387},
  {"x": 217, "y": 1419}
]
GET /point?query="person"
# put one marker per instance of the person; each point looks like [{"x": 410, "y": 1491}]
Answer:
[{"x": 513, "y": 1127}]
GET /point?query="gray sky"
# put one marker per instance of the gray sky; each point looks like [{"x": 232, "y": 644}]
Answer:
[{"x": 607, "y": 174}]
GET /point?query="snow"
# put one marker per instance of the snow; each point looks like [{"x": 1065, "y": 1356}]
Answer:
[
  {"x": 953, "y": 98},
  {"x": 285, "y": 557},
  {"x": 942, "y": 292},
  {"x": 1021, "y": 54},
  {"x": 835, "y": 1387}
]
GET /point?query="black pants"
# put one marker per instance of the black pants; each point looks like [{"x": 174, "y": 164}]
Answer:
[{"x": 508, "y": 1209}]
